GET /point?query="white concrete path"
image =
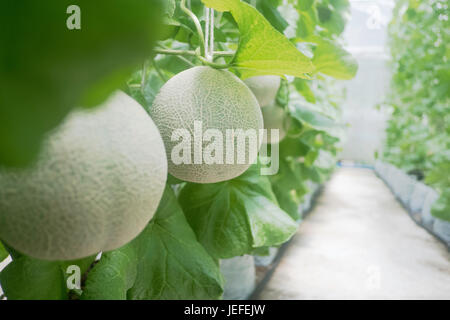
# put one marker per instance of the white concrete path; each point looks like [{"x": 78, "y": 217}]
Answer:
[{"x": 359, "y": 243}]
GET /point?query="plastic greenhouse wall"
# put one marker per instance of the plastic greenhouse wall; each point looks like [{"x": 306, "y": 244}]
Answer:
[{"x": 366, "y": 124}]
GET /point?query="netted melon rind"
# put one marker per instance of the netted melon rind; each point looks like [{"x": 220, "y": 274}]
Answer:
[{"x": 96, "y": 185}]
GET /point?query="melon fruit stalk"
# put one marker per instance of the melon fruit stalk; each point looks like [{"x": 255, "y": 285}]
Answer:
[
  {"x": 264, "y": 88},
  {"x": 97, "y": 183},
  {"x": 218, "y": 100}
]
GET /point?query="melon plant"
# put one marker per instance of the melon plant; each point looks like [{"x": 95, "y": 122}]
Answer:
[
  {"x": 95, "y": 186},
  {"x": 264, "y": 88},
  {"x": 218, "y": 100},
  {"x": 101, "y": 174},
  {"x": 417, "y": 135}
]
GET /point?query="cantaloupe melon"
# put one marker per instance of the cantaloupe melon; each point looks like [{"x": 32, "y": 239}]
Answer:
[
  {"x": 96, "y": 185},
  {"x": 275, "y": 118},
  {"x": 217, "y": 99},
  {"x": 264, "y": 88}
]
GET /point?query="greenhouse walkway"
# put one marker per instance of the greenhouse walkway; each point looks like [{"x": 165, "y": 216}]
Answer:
[{"x": 359, "y": 243}]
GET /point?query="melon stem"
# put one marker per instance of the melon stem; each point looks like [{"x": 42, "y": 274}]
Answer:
[
  {"x": 214, "y": 64},
  {"x": 197, "y": 24},
  {"x": 198, "y": 55},
  {"x": 191, "y": 52}
]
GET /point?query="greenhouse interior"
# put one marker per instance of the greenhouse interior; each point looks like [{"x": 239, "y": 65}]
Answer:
[{"x": 225, "y": 150}]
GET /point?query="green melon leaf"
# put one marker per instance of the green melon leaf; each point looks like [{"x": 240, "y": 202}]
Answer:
[
  {"x": 288, "y": 175},
  {"x": 304, "y": 4},
  {"x": 164, "y": 262},
  {"x": 169, "y": 7},
  {"x": 303, "y": 88},
  {"x": 306, "y": 23},
  {"x": 147, "y": 94},
  {"x": 46, "y": 69},
  {"x": 262, "y": 49},
  {"x": 269, "y": 10},
  {"x": 333, "y": 15},
  {"x": 26, "y": 278},
  {"x": 438, "y": 176},
  {"x": 3, "y": 253},
  {"x": 262, "y": 252},
  {"x": 232, "y": 218},
  {"x": 292, "y": 147},
  {"x": 113, "y": 275},
  {"x": 330, "y": 59},
  {"x": 310, "y": 117},
  {"x": 311, "y": 157},
  {"x": 32, "y": 279},
  {"x": 441, "y": 208},
  {"x": 286, "y": 200},
  {"x": 288, "y": 186}
]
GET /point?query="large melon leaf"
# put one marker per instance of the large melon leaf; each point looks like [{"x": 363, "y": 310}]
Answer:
[
  {"x": 164, "y": 262},
  {"x": 262, "y": 49},
  {"x": 234, "y": 217},
  {"x": 28, "y": 278}
]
